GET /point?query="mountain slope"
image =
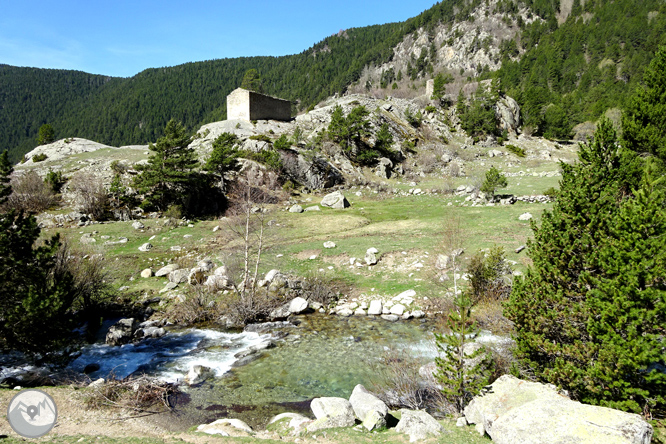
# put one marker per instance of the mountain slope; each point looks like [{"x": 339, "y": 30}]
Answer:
[{"x": 563, "y": 63}]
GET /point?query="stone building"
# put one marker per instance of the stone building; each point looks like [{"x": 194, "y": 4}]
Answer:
[{"x": 249, "y": 105}]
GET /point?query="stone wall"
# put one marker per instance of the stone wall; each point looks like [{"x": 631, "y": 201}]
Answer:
[{"x": 248, "y": 105}]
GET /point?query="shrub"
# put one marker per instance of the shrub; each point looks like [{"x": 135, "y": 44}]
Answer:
[
  {"x": 282, "y": 142},
  {"x": 430, "y": 109},
  {"x": 414, "y": 119},
  {"x": 515, "y": 150},
  {"x": 261, "y": 138},
  {"x": 487, "y": 274},
  {"x": 55, "y": 180},
  {"x": 317, "y": 287},
  {"x": 399, "y": 384},
  {"x": 551, "y": 192},
  {"x": 39, "y": 157},
  {"x": 31, "y": 193}
]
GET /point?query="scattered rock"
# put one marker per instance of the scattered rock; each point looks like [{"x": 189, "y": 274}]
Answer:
[
  {"x": 525, "y": 216},
  {"x": 398, "y": 309},
  {"x": 146, "y": 247},
  {"x": 296, "y": 209},
  {"x": 390, "y": 317},
  {"x": 521, "y": 248},
  {"x": 370, "y": 256},
  {"x": 295, "y": 422},
  {"x": 137, "y": 225},
  {"x": 329, "y": 244},
  {"x": 418, "y": 425},
  {"x": 179, "y": 276},
  {"x": 313, "y": 208},
  {"x": 88, "y": 238},
  {"x": 147, "y": 273},
  {"x": 335, "y": 200},
  {"x": 375, "y": 308},
  {"x": 226, "y": 427},
  {"x": 164, "y": 271}
]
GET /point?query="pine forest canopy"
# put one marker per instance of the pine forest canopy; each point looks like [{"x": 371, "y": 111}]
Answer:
[{"x": 588, "y": 64}]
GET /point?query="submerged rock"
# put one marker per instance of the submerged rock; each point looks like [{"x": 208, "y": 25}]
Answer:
[{"x": 198, "y": 374}]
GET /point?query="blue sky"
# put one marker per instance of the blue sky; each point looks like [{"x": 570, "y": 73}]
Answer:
[{"x": 122, "y": 38}]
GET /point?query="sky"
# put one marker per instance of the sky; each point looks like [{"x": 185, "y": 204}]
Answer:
[{"x": 123, "y": 37}]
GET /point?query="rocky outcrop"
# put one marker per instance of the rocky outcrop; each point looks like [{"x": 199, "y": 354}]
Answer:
[
  {"x": 507, "y": 111},
  {"x": 314, "y": 173},
  {"x": 513, "y": 410}
]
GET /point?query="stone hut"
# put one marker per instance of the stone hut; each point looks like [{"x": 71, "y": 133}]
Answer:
[{"x": 249, "y": 105}]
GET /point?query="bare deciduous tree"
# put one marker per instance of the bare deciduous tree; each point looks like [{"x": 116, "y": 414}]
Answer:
[
  {"x": 91, "y": 196},
  {"x": 30, "y": 193}
]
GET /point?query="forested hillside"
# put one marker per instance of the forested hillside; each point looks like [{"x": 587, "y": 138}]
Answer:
[{"x": 567, "y": 74}]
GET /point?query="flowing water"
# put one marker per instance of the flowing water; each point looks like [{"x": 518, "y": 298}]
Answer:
[{"x": 321, "y": 356}]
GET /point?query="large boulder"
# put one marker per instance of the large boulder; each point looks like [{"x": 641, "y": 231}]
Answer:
[
  {"x": 331, "y": 412},
  {"x": 513, "y": 410},
  {"x": 418, "y": 425},
  {"x": 369, "y": 409},
  {"x": 298, "y": 305},
  {"x": 122, "y": 331},
  {"x": 335, "y": 200},
  {"x": 370, "y": 256}
]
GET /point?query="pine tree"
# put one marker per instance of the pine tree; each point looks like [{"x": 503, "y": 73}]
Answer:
[
  {"x": 252, "y": 81},
  {"x": 644, "y": 120},
  {"x": 36, "y": 291},
  {"x": 169, "y": 173},
  {"x": 578, "y": 310},
  {"x": 461, "y": 373},
  {"x": 494, "y": 179},
  {"x": 46, "y": 134},
  {"x": 224, "y": 156},
  {"x": 6, "y": 171}
]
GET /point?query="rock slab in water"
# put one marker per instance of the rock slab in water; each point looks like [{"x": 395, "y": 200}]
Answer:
[
  {"x": 198, "y": 374},
  {"x": 369, "y": 409},
  {"x": 331, "y": 412},
  {"x": 418, "y": 425},
  {"x": 514, "y": 410},
  {"x": 121, "y": 332}
]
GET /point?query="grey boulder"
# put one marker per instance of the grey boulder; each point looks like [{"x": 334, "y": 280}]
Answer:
[
  {"x": 330, "y": 413},
  {"x": 369, "y": 409},
  {"x": 335, "y": 200},
  {"x": 122, "y": 331},
  {"x": 418, "y": 425}
]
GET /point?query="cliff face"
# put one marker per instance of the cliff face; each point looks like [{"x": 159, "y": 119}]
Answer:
[{"x": 462, "y": 49}]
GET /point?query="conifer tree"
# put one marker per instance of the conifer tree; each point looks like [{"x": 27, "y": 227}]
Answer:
[
  {"x": 644, "y": 120},
  {"x": 170, "y": 172},
  {"x": 586, "y": 312},
  {"x": 6, "y": 171},
  {"x": 461, "y": 373},
  {"x": 225, "y": 154}
]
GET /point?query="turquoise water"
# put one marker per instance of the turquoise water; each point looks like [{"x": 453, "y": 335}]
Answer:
[{"x": 320, "y": 356}]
